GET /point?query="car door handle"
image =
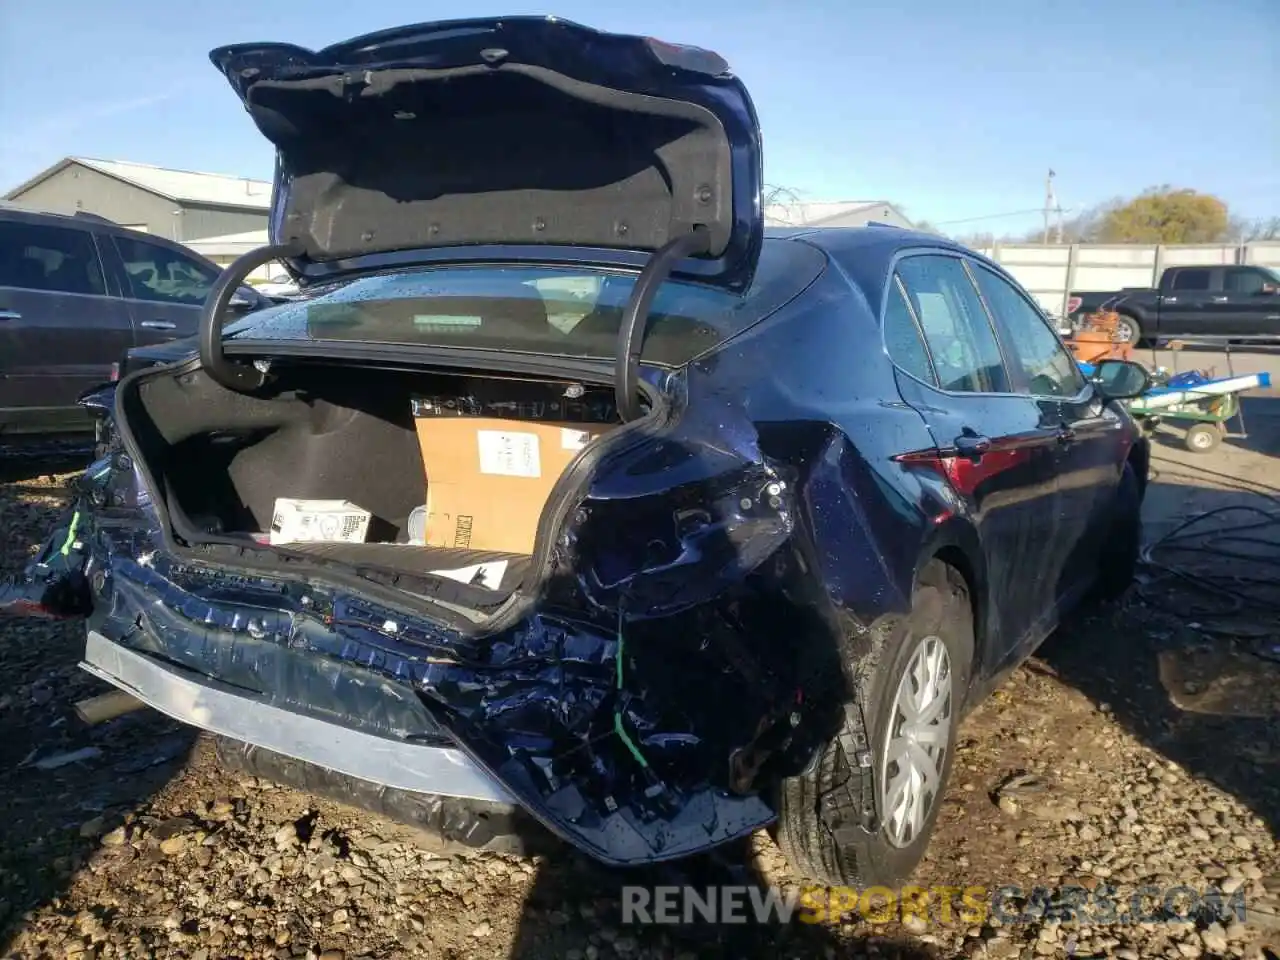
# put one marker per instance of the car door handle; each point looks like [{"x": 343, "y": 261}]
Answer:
[
  {"x": 971, "y": 445},
  {"x": 1220, "y": 299},
  {"x": 1066, "y": 434},
  {"x": 10, "y": 315},
  {"x": 158, "y": 325}
]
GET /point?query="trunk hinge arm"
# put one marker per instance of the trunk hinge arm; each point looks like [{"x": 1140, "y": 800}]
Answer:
[
  {"x": 234, "y": 376},
  {"x": 631, "y": 331}
]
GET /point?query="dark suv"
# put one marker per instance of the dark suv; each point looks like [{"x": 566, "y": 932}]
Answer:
[{"x": 77, "y": 292}]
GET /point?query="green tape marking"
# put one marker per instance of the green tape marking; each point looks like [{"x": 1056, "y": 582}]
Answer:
[
  {"x": 617, "y": 712},
  {"x": 71, "y": 533}
]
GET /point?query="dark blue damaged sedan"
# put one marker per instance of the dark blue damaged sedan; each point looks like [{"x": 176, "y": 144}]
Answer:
[{"x": 563, "y": 487}]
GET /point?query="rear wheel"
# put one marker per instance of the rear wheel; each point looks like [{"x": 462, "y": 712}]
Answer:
[
  {"x": 896, "y": 783},
  {"x": 1203, "y": 437},
  {"x": 1128, "y": 330}
]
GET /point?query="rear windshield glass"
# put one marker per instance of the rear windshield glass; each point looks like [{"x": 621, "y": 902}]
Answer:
[{"x": 562, "y": 311}]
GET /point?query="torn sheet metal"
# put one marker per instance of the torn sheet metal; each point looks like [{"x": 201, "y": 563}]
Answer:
[
  {"x": 677, "y": 659},
  {"x": 641, "y": 711}
]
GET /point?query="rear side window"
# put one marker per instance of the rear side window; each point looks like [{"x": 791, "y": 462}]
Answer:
[
  {"x": 1191, "y": 280},
  {"x": 902, "y": 337},
  {"x": 1047, "y": 368},
  {"x": 955, "y": 324},
  {"x": 51, "y": 259},
  {"x": 163, "y": 275}
]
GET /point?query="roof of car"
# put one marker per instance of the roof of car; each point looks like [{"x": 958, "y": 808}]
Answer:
[
  {"x": 31, "y": 213},
  {"x": 884, "y": 237},
  {"x": 83, "y": 218}
]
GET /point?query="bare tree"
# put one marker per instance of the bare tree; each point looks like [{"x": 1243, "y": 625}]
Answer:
[
  {"x": 783, "y": 204},
  {"x": 1263, "y": 228}
]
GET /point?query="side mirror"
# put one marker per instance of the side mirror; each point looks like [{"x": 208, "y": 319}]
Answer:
[
  {"x": 244, "y": 299},
  {"x": 1269, "y": 289},
  {"x": 1120, "y": 379}
]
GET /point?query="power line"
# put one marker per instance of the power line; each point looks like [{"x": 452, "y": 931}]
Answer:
[{"x": 990, "y": 216}]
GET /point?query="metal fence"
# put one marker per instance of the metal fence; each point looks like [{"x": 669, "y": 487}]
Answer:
[{"x": 1050, "y": 271}]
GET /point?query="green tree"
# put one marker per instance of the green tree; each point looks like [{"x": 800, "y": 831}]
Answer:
[{"x": 1166, "y": 215}]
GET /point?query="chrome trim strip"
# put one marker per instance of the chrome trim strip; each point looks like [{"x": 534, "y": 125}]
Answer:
[{"x": 443, "y": 771}]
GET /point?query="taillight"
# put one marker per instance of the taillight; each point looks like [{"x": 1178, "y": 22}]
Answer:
[
  {"x": 115, "y": 372},
  {"x": 1073, "y": 304}
]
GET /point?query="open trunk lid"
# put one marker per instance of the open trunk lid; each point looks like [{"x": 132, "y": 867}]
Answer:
[{"x": 450, "y": 138}]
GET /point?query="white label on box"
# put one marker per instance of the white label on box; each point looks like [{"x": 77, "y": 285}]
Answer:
[
  {"x": 509, "y": 454},
  {"x": 477, "y": 575},
  {"x": 573, "y": 439},
  {"x": 307, "y": 521}
]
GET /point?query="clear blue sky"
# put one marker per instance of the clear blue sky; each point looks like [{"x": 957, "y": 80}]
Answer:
[{"x": 951, "y": 109}]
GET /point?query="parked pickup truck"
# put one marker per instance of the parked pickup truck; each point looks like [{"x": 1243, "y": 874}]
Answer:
[{"x": 1232, "y": 303}]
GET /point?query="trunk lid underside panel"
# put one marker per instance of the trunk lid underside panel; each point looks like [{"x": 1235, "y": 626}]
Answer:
[{"x": 519, "y": 131}]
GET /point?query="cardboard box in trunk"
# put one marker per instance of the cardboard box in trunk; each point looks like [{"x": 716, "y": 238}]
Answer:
[{"x": 488, "y": 479}]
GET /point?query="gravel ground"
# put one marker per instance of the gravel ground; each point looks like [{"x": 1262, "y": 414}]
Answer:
[{"x": 1140, "y": 747}]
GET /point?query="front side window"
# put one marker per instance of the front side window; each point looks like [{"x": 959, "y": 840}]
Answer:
[
  {"x": 1191, "y": 280},
  {"x": 158, "y": 273},
  {"x": 965, "y": 352},
  {"x": 52, "y": 259},
  {"x": 1247, "y": 281},
  {"x": 1047, "y": 368}
]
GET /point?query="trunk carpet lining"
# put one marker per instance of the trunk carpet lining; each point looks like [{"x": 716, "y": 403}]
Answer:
[{"x": 416, "y": 560}]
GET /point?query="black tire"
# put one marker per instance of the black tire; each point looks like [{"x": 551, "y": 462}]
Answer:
[
  {"x": 1203, "y": 437},
  {"x": 821, "y": 811},
  {"x": 1134, "y": 330},
  {"x": 1122, "y": 541}
]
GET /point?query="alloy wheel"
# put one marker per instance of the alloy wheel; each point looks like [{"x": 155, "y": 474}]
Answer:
[{"x": 916, "y": 741}]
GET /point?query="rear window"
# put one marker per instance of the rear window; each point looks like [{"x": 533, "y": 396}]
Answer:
[
  {"x": 560, "y": 311},
  {"x": 1191, "y": 280}
]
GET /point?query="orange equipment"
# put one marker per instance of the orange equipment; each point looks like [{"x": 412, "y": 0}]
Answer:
[{"x": 1096, "y": 340}]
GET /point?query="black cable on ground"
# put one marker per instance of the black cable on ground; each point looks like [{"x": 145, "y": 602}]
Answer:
[{"x": 1227, "y": 575}]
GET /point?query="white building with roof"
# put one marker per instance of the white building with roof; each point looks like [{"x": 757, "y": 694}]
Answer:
[
  {"x": 222, "y": 250},
  {"x": 833, "y": 213},
  {"x": 179, "y": 204}
]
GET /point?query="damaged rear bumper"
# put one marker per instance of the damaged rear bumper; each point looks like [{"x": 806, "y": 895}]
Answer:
[
  {"x": 420, "y": 768},
  {"x": 637, "y": 735},
  {"x": 529, "y": 719},
  {"x": 354, "y": 700}
]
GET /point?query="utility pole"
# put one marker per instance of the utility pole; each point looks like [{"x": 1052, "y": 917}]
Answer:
[{"x": 1050, "y": 202}]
